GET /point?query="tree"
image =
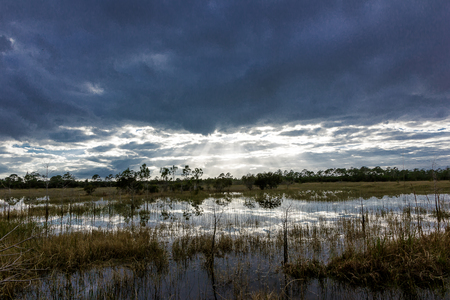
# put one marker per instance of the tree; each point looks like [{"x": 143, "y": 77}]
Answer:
[
  {"x": 69, "y": 180},
  {"x": 172, "y": 170},
  {"x": 165, "y": 172},
  {"x": 32, "y": 179},
  {"x": 223, "y": 181},
  {"x": 96, "y": 178},
  {"x": 56, "y": 181},
  {"x": 268, "y": 180},
  {"x": 186, "y": 173},
  {"x": 109, "y": 179},
  {"x": 248, "y": 180},
  {"x": 89, "y": 189},
  {"x": 285, "y": 221},
  {"x": 13, "y": 181},
  {"x": 196, "y": 175},
  {"x": 129, "y": 180},
  {"x": 46, "y": 180},
  {"x": 144, "y": 173},
  {"x": 144, "y": 176},
  {"x": 289, "y": 177}
]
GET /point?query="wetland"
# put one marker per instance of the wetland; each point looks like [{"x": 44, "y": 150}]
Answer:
[{"x": 337, "y": 240}]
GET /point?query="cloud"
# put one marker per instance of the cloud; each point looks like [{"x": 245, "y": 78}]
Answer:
[
  {"x": 197, "y": 67},
  {"x": 70, "y": 136},
  {"x": 101, "y": 149},
  {"x": 94, "y": 88},
  {"x": 301, "y": 132},
  {"x": 202, "y": 68},
  {"x": 139, "y": 146},
  {"x": 4, "y": 169},
  {"x": 5, "y": 44}
]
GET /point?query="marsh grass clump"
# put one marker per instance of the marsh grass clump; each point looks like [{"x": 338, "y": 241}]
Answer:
[
  {"x": 410, "y": 262},
  {"x": 306, "y": 269},
  {"x": 17, "y": 256},
  {"x": 81, "y": 250},
  {"x": 187, "y": 246}
]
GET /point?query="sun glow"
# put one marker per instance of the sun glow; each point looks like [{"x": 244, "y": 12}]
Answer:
[{"x": 245, "y": 150}]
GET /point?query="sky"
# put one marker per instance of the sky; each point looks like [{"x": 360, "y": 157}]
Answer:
[{"x": 94, "y": 87}]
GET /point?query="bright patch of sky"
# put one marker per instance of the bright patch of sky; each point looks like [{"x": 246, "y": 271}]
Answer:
[{"x": 246, "y": 150}]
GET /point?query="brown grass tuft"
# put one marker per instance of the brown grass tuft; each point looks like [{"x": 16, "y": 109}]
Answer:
[
  {"x": 409, "y": 262},
  {"x": 81, "y": 250}
]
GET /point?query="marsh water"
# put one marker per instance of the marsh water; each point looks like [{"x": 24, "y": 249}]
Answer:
[
  {"x": 317, "y": 230},
  {"x": 237, "y": 213}
]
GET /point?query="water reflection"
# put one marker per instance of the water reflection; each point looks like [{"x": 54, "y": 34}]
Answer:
[
  {"x": 260, "y": 214},
  {"x": 316, "y": 228}
]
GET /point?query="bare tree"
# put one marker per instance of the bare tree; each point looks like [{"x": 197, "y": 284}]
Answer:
[
  {"x": 172, "y": 170},
  {"x": 285, "y": 221},
  {"x": 46, "y": 179}
]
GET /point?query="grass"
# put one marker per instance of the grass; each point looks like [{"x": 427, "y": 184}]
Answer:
[
  {"x": 422, "y": 262},
  {"x": 17, "y": 268},
  {"x": 410, "y": 262},
  {"x": 84, "y": 250},
  {"x": 380, "y": 251}
]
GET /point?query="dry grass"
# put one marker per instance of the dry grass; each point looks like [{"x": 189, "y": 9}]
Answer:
[
  {"x": 423, "y": 261},
  {"x": 81, "y": 250},
  {"x": 187, "y": 246},
  {"x": 17, "y": 263},
  {"x": 407, "y": 262}
]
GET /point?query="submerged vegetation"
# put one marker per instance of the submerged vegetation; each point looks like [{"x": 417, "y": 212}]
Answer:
[{"x": 226, "y": 240}]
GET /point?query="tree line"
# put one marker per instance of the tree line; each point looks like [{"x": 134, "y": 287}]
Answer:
[{"x": 185, "y": 178}]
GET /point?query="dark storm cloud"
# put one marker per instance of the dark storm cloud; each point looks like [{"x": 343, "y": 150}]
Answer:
[
  {"x": 121, "y": 164},
  {"x": 4, "y": 169},
  {"x": 5, "y": 44},
  {"x": 203, "y": 66},
  {"x": 418, "y": 136},
  {"x": 99, "y": 133},
  {"x": 89, "y": 172},
  {"x": 295, "y": 132},
  {"x": 15, "y": 161},
  {"x": 102, "y": 148},
  {"x": 301, "y": 132},
  {"x": 70, "y": 136},
  {"x": 374, "y": 157},
  {"x": 348, "y": 131},
  {"x": 95, "y": 159},
  {"x": 64, "y": 135},
  {"x": 136, "y": 146}
]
